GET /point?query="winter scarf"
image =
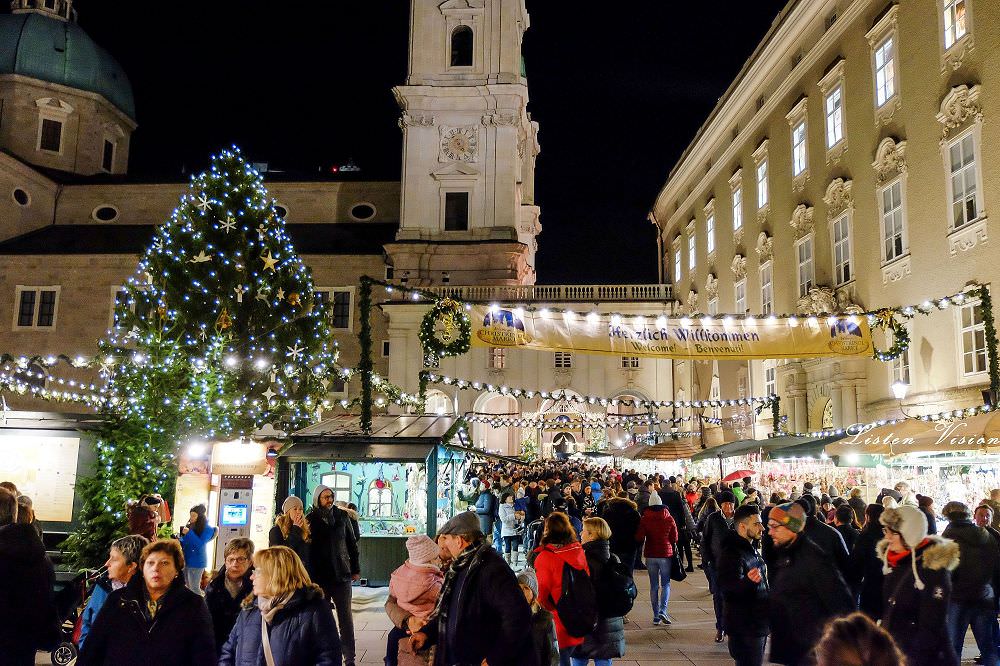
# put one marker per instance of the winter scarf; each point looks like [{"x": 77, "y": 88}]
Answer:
[{"x": 465, "y": 559}]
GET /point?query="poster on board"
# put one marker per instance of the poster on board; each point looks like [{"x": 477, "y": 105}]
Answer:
[{"x": 44, "y": 469}]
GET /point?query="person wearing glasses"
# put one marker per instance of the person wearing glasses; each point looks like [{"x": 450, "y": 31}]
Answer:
[
  {"x": 917, "y": 587},
  {"x": 231, "y": 586},
  {"x": 807, "y": 589}
]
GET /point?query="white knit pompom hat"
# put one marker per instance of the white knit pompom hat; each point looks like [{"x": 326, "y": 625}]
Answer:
[{"x": 911, "y": 523}]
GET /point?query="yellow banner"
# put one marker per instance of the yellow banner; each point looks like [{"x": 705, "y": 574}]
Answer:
[{"x": 671, "y": 338}]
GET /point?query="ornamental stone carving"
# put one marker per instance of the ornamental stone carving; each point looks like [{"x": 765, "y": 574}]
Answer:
[
  {"x": 692, "y": 301},
  {"x": 838, "y": 198},
  {"x": 500, "y": 120},
  {"x": 957, "y": 107},
  {"x": 408, "y": 120},
  {"x": 802, "y": 220},
  {"x": 826, "y": 300},
  {"x": 765, "y": 246},
  {"x": 739, "y": 267},
  {"x": 890, "y": 160},
  {"x": 712, "y": 286}
]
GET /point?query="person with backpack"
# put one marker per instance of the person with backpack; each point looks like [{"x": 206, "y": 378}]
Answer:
[
  {"x": 564, "y": 585},
  {"x": 659, "y": 531},
  {"x": 615, "y": 594}
]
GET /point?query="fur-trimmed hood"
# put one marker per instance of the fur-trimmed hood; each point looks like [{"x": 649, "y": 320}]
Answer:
[{"x": 938, "y": 554}]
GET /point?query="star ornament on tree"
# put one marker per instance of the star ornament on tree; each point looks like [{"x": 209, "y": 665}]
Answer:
[
  {"x": 295, "y": 351},
  {"x": 229, "y": 224},
  {"x": 201, "y": 202},
  {"x": 269, "y": 261}
]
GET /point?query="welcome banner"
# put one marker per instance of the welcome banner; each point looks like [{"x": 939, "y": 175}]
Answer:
[{"x": 671, "y": 338}]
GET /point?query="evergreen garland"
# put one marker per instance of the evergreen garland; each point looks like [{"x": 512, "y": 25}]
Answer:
[
  {"x": 989, "y": 326},
  {"x": 365, "y": 365},
  {"x": 219, "y": 334}
]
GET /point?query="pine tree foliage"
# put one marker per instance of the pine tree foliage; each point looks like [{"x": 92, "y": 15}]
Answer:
[{"x": 218, "y": 333}]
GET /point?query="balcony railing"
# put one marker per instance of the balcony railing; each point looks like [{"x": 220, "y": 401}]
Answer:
[{"x": 583, "y": 293}]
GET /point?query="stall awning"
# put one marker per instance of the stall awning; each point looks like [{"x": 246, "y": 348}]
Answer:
[
  {"x": 744, "y": 446},
  {"x": 977, "y": 433},
  {"x": 402, "y": 438},
  {"x": 669, "y": 449},
  {"x": 812, "y": 447}
]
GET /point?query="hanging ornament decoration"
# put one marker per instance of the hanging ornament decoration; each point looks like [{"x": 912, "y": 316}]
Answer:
[
  {"x": 294, "y": 299},
  {"x": 280, "y": 294},
  {"x": 295, "y": 351},
  {"x": 261, "y": 230},
  {"x": 228, "y": 224},
  {"x": 262, "y": 294},
  {"x": 161, "y": 310},
  {"x": 268, "y": 394},
  {"x": 201, "y": 202},
  {"x": 224, "y": 321},
  {"x": 446, "y": 329},
  {"x": 886, "y": 320},
  {"x": 269, "y": 261},
  {"x": 200, "y": 258},
  {"x": 240, "y": 290}
]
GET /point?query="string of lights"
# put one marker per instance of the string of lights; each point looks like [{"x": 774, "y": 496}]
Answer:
[
  {"x": 859, "y": 428},
  {"x": 563, "y": 394}
]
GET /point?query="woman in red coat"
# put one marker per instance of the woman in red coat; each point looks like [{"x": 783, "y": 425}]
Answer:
[
  {"x": 659, "y": 530},
  {"x": 559, "y": 547}
]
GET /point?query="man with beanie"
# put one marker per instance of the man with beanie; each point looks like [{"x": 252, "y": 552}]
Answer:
[
  {"x": 333, "y": 561},
  {"x": 825, "y": 537},
  {"x": 481, "y": 613},
  {"x": 973, "y": 594},
  {"x": 742, "y": 579},
  {"x": 807, "y": 589},
  {"x": 718, "y": 525}
]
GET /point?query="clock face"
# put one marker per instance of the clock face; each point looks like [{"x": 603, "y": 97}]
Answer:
[{"x": 459, "y": 143}]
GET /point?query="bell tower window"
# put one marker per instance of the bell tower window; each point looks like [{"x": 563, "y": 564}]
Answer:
[
  {"x": 461, "y": 46},
  {"x": 51, "y": 135},
  {"x": 456, "y": 211}
]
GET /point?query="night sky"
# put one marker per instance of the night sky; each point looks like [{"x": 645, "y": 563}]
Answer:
[{"x": 619, "y": 93}]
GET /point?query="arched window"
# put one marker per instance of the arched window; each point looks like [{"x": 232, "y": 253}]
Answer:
[
  {"x": 380, "y": 499},
  {"x": 461, "y": 46}
]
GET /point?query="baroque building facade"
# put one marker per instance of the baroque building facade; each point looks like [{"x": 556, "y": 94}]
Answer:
[{"x": 848, "y": 167}]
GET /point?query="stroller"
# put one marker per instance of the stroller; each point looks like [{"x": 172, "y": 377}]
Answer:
[{"x": 71, "y": 592}]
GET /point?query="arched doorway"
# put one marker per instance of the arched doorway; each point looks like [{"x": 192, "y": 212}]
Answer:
[
  {"x": 506, "y": 439},
  {"x": 438, "y": 403},
  {"x": 618, "y": 435}
]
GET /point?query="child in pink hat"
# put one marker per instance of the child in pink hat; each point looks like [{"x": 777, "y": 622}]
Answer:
[{"x": 417, "y": 582}]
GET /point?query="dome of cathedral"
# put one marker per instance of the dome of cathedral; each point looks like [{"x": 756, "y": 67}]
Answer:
[{"x": 59, "y": 51}]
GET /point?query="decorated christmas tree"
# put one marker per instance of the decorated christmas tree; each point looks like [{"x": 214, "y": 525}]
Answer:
[{"x": 219, "y": 332}]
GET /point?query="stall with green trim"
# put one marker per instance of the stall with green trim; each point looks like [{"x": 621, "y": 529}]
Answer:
[{"x": 403, "y": 478}]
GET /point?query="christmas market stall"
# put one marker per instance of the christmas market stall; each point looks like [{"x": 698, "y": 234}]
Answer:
[{"x": 403, "y": 478}]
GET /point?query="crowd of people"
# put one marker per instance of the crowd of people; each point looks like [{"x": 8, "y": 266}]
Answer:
[{"x": 538, "y": 569}]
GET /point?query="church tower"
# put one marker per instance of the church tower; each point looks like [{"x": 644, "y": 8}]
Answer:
[{"x": 469, "y": 148}]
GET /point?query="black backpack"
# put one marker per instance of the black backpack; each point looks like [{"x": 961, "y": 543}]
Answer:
[
  {"x": 616, "y": 591},
  {"x": 577, "y": 605}
]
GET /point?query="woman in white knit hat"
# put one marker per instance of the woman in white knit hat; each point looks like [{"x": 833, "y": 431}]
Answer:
[
  {"x": 292, "y": 529},
  {"x": 917, "y": 587}
]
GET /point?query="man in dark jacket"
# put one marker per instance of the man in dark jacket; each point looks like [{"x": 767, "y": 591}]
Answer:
[
  {"x": 486, "y": 508},
  {"x": 807, "y": 589},
  {"x": 973, "y": 597},
  {"x": 642, "y": 499},
  {"x": 230, "y": 587},
  {"x": 29, "y": 618},
  {"x": 742, "y": 578},
  {"x": 623, "y": 519},
  {"x": 866, "y": 575},
  {"x": 718, "y": 525},
  {"x": 824, "y": 536},
  {"x": 842, "y": 520},
  {"x": 333, "y": 561},
  {"x": 469, "y": 626}
]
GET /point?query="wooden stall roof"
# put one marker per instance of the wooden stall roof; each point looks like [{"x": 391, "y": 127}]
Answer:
[{"x": 670, "y": 449}]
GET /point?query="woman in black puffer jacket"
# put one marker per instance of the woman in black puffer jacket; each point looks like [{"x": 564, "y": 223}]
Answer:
[
  {"x": 608, "y": 639},
  {"x": 299, "y": 624}
]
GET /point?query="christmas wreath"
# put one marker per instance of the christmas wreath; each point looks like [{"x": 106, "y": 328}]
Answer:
[
  {"x": 885, "y": 320},
  {"x": 446, "y": 330}
]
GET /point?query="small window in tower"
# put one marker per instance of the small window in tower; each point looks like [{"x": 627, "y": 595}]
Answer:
[
  {"x": 51, "y": 138},
  {"x": 461, "y": 46},
  {"x": 456, "y": 211},
  {"x": 108, "y": 159}
]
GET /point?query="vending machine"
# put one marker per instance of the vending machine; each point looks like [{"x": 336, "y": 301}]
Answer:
[{"x": 235, "y": 510}]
